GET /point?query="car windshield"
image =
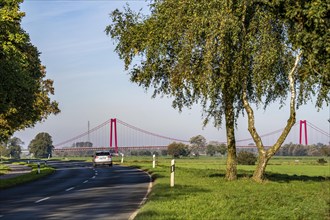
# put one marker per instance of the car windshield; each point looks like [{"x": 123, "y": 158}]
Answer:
[{"x": 102, "y": 153}]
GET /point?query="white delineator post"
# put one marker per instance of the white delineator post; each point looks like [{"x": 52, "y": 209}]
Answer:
[
  {"x": 38, "y": 167},
  {"x": 153, "y": 161},
  {"x": 172, "y": 172},
  {"x": 122, "y": 158}
]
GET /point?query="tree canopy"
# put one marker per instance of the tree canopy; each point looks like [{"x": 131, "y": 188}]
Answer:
[
  {"x": 197, "y": 144},
  {"x": 41, "y": 145},
  {"x": 24, "y": 91},
  {"x": 308, "y": 25},
  {"x": 11, "y": 148},
  {"x": 14, "y": 147},
  {"x": 178, "y": 150}
]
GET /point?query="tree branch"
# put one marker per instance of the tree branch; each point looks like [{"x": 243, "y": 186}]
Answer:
[
  {"x": 251, "y": 121},
  {"x": 292, "y": 119}
]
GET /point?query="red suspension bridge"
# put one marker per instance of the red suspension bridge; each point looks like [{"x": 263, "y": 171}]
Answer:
[{"x": 118, "y": 135}]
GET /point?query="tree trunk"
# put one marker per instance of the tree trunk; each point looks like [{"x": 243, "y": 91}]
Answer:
[
  {"x": 231, "y": 170},
  {"x": 259, "y": 173}
]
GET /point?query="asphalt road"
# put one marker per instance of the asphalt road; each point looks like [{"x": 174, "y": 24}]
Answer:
[{"x": 77, "y": 191}]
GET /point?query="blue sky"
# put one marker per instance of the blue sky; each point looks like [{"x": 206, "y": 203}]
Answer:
[{"x": 91, "y": 84}]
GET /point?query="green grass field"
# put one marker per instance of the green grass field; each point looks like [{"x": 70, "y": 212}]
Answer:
[{"x": 297, "y": 188}]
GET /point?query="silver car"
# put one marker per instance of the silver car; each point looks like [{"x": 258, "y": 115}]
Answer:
[{"x": 102, "y": 158}]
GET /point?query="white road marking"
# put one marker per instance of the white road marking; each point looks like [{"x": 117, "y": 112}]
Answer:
[
  {"x": 93, "y": 177},
  {"x": 40, "y": 200},
  {"x": 69, "y": 189},
  {"x": 86, "y": 181}
]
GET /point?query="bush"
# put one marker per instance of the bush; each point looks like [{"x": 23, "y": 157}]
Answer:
[
  {"x": 144, "y": 153},
  {"x": 322, "y": 161},
  {"x": 246, "y": 158}
]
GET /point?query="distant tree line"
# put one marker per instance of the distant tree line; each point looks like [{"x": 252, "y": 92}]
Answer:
[
  {"x": 304, "y": 150},
  {"x": 82, "y": 144},
  {"x": 198, "y": 145}
]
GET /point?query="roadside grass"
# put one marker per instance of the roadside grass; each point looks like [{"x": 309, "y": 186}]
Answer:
[
  {"x": 294, "y": 190},
  {"x": 28, "y": 177},
  {"x": 4, "y": 169}
]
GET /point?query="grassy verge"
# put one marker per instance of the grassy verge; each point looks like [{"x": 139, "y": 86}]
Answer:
[
  {"x": 28, "y": 177},
  {"x": 4, "y": 169},
  {"x": 295, "y": 190}
]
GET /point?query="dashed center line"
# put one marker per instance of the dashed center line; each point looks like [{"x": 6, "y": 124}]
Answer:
[
  {"x": 86, "y": 181},
  {"x": 40, "y": 200},
  {"x": 93, "y": 177},
  {"x": 69, "y": 189}
]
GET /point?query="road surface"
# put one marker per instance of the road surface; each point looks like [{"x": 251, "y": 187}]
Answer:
[{"x": 77, "y": 191}]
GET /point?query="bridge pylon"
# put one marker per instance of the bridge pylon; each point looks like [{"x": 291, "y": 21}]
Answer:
[
  {"x": 303, "y": 123},
  {"x": 113, "y": 127}
]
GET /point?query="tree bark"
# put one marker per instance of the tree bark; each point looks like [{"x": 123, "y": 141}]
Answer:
[
  {"x": 259, "y": 173},
  {"x": 265, "y": 155},
  {"x": 231, "y": 170}
]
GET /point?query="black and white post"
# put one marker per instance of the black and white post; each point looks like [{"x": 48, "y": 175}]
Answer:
[
  {"x": 172, "y": 172},
  {"x": 38, "y": 167},
  {"x": 153, "y": 161}
]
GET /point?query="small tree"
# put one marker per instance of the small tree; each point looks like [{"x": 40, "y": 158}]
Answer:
[
  {"x": 222, "y": 149},
  {"x": 14, "y": 147},
  {"x": 41, "y": 145},
  {"x": 211, "y": 149},
  {"x": 178, "y": 149},
  {"x": 219, "y": 147},
  {"x": 198, "y": 144}
]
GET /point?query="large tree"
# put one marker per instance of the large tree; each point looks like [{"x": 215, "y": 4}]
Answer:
[
  {"x": 24, "y": 91},
  {"x": 208, "y": 52},
  {"x": 41, "y": 145},
  {"x": 199, "y": 51}
]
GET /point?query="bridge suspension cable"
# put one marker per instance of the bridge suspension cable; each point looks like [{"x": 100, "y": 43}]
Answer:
[
  {"x": 319, "y": 130},
  {"x": 149, "y": 133}
]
